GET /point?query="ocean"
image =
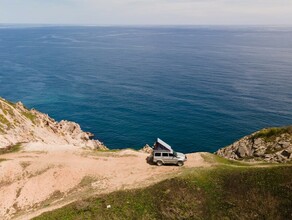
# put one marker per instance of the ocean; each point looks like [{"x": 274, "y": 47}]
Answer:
[{"x": 198, "y": 88}]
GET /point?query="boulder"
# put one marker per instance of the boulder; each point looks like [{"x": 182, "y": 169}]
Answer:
[
  {"x": 271, "y": 145},
  {"x": 147, "y": 149}
]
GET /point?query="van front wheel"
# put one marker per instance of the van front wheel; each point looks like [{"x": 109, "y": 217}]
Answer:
[
  {"x": 180, "y": 163},
  {"x": 159, "y": 163}
]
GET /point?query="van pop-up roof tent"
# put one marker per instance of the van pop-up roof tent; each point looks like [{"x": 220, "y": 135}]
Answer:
[{"x": 160, "y": 145}]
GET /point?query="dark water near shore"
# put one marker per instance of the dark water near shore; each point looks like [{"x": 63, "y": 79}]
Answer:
[{"x": 197, "y": 88}]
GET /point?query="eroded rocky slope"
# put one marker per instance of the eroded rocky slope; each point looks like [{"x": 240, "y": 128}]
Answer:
[
  {"x": 21, "y": 125},
  {"x": 270, "y": 145}
]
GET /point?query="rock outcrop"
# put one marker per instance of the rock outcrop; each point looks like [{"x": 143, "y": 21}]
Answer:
[
  {"x": 21, "y": 125},
  {"x": 270, "y": 145},
  {"x": 147, "y": 149}
]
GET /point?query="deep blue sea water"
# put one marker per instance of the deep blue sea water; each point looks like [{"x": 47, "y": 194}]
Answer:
[{"x": 197, "y": 88}]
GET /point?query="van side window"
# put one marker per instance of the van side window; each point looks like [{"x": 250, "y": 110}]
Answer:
[
  {"x": 171, "y": 155},
  {"x": 165, "y": 154},
  {"x": 157, "y": 154}
]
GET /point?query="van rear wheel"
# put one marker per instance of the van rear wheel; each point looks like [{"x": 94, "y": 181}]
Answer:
[
  {"x": 159, "y": 163},
  {"x": 180, "y": 163}
]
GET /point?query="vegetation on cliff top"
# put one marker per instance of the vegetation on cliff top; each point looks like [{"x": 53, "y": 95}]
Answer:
[
  {"x": 224, "y": 191},
  {"x": 30, "y": 116},
  {"x": 269, "y": 134},
  {"x": 8, "y": 108},
  {"x": 272, "y": 145},
  {"x": 8, "y": 102}
]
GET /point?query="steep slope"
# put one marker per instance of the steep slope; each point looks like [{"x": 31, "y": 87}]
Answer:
[
  {"x": 222, "y": 191},
  {"x": 270, "y": 145},
  {"x": 32, "y": 182},
  {"x": 21, "y": 125}
]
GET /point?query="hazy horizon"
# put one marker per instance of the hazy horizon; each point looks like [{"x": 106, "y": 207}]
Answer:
[
  {"x": 147, "y": 12},
  {"x": 144, "y": 25}
]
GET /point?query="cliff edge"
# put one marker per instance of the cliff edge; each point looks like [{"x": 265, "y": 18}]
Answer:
[
  {"x": 269, "y": 144},
  {"x": 21, "y": 125}
]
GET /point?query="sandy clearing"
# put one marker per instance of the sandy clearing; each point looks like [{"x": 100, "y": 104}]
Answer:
[{"x": 32, "y": 181}]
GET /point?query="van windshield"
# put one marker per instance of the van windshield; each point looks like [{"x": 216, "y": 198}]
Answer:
[{"x": 174, "y": 154}]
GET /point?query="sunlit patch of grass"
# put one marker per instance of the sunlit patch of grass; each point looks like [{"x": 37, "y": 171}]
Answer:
[{"x": 217, "y": 160}]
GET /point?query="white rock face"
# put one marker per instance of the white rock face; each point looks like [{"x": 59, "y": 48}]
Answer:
[
  {"x": 147, "y": 149},
  {"x": 21, "y": 125},
  {"x": 270, "y": 145}
]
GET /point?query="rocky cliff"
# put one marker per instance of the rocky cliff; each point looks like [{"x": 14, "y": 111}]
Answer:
[
  {"x": 270, "y": 145},
  {"x": 21, "y": 125}
]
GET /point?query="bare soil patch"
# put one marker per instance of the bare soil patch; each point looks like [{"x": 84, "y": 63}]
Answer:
[{"x": 33, "y": 182}]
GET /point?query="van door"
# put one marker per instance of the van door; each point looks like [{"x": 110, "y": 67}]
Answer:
[
  {"x": 165, "y": 157},
  {"x": 157, "y": 156},
  {"x": 172, "y": 158}
]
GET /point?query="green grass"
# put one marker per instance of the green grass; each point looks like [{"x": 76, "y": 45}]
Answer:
[
  {"x": 11, "y": 149},
  {"x": 269, "y": 134},
  {"x": 215, "y": 159},
  {"x": 8, "y": 102},
  {"x": 30, "y": 116},
  {"x": 7, "y": 109},
  {"x": 219, "y": 192},
  {"x": 3, "y": 120}
]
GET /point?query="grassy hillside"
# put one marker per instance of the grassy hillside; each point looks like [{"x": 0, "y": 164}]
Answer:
[{"x": 223, "y": 191}]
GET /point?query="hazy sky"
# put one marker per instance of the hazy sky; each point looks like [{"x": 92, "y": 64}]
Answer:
[{"x": 143, "y": 12}]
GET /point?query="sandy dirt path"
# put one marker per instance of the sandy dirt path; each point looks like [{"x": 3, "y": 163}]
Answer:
[{"x": 32, "y": 182}]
